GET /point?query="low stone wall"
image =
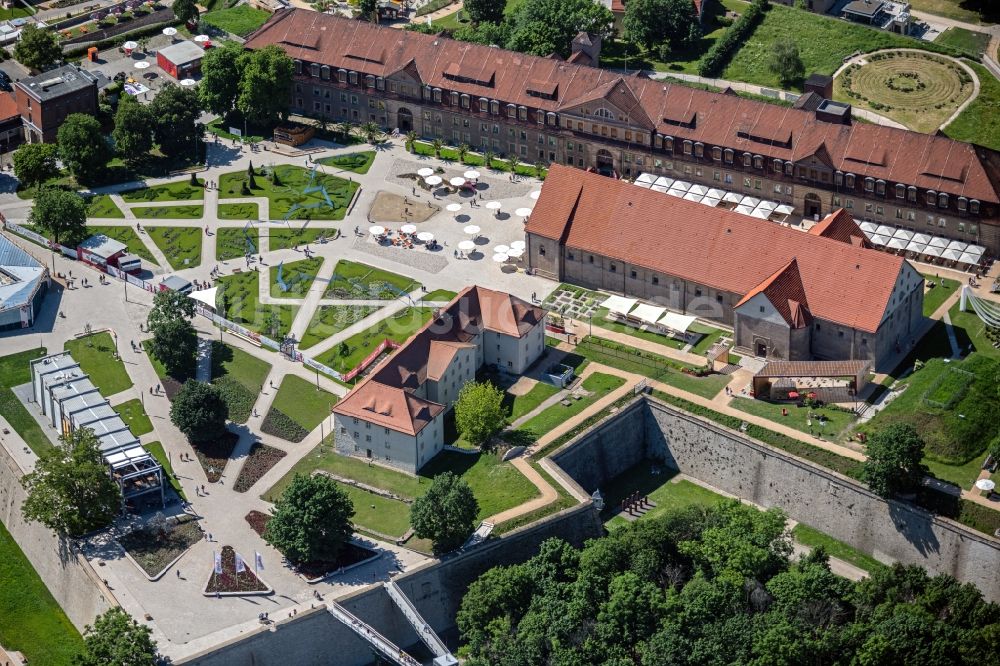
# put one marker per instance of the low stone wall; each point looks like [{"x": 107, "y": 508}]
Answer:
[
  {"x": 315, "y": 638},
  {"x": 67, "y": 574},
  {"x": 890, "y": 531}
]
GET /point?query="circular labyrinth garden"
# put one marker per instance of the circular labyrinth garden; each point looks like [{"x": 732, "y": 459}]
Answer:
[{"x": 918, "y": 90}]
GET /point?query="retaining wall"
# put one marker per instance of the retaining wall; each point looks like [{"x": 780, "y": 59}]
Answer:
[
  {"x": 890, "y": 531},
  {"x": 66, "y": 573}
]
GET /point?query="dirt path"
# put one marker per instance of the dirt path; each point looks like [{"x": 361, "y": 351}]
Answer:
[{"x": 548, "y": 494}]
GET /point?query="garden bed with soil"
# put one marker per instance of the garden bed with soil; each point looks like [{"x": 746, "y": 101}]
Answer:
[
  {"x": 313, "y": 572},
  {"x": 155, "y": 549},
  {"x": 213, "y": 456},
  {"x": 279, "y": 424},
  {"x": 260, "y": 461},
  {"x": 231, "y": 583}
]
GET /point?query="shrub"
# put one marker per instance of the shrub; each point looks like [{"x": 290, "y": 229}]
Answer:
[
  {"x": 279, "y": 424},
  {"x": 735, "y": 36},
  {"x": 238, "y": 398}
]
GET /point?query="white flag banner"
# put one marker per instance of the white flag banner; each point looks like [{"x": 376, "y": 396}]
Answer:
[
  {"x": 240, "y": 567},
  {"x": 258, "y": 561},
  {"x": 218, "y": 562}
]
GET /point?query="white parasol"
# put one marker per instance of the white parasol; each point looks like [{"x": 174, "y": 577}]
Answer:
[
  {"x": 170, "y": 31},
  {"x": 501, "y": 249},
  {"x": 494, "y": 205},
  {"x": 425, "y": 171},
  {"x": 516, "y": 252},
  {"x": 433, "y": 180},
  {"x": 202, "y": 38},
  {"x": 376, "y": 230},
  {"x": 142, "y": 64},
  {"x": 535, "y": 194},
  {"x": 457, "y": 181},
  {"x": 425, "y": 236},
  {"x": 408, "y": 228},
  {"x": 522, "y": 212},
  {"x": 471, "y": 229},
  {"x": 453, "y": 207},
  {"x": 130, "y": 46},
  {"x": 985, "y": 484},
  {"x": 187, "y": 83},
  {"x": 471, "y": 174},
  {"x": 499, "y": 258},
  {"x": 466, "y": 245},
  {"x": 518, "y": 245}
]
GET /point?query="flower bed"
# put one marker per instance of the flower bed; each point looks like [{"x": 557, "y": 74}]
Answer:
[
  {"x": 351, "y": 554},
  {"x": 261, "y": 459},
  {"x": 279, "y": 424},
  {"x": 238, "y": 398},
  {"x": 154, "y": 549},
  {"x": 213, "y": 456},
  {"x": 229, "y": 582}
]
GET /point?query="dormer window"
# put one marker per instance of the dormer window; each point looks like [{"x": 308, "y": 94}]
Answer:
[
  {"x": 314, "y": 70},
  {"x": 838, "y": 178},
  {"x": 353, "y": 78},
  {"x": 900, "y": 190},
  {"x": 484, "y": 105},
  {"x": 437, "y": 94},
  {"x": 298, "y": 66},
  {"x": 789, "y": 168},
  {"x": 869, "y": 184},
  {"x": 880, "y": 187},
  {"x": 324, "y": 72},
  {"x": 728, "y": 155},
  {"x": 551, "y": 118},
  {"x": 911, "y": 193},
  {"x": 454, "y": 98},
  {"x": 717, "y": 154},
  {"x": 466, "y": 101},
  {"x": 942, "y": 200},
  {"x": 776, "y": 164},
  {"x": 495, "y": 108},
  {"x": 758, "y": 162},
  {"x": 342, "y": 75},
  {"x": 511, "y": 111},
  {"x": 699, "y": 149},
  {"x": 687, "y": 147},
  {"x": 849, "y": 180},
  {"x": 539, "y": 116},
  {"x": 747, "y": 159},
  {"x": 380, "y": 83},
  {"x": 668, "y": 143},
  {"x": 963, "y": 204},
  {"x": 931, "y": 197},
  {"x": 369, "y": 81},
  {"x": 973, "y": 205}
]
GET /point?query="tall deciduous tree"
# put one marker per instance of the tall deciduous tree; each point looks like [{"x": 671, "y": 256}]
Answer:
[
  {"x": 70, "y": 490},
  {"x": 484, "y": 11},
  {"x": 175, "y": 341},
  {"x": 133, "y": 133},
  {"x": 186, "y": 10},
  {"x": 543, "y": 27},
  {"x": 37, "y": 48},
  {"x": 62, "y": 214},
  {"x": 35, "y": 163},
  {"x": 220, "y": 78},
  {"x": 83, "y": 147},
  {"x": 312, "y": 520},
  {"x": 117, "y": 639},
  {"x": 786, "y": 62},
  {"x": 265, "y": 85},
  {"x": 175, "y": 111},
  {"x": 200, "y": 412},
  {"x": 446, "y": 513},
  {"x": 652, "y": 22},
  {"x": 367, "y": 9},
  {"x": 479, "y": 411},
  {"x": 894, "y": 460}
]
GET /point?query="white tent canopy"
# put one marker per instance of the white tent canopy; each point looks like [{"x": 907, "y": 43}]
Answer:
[
  {"x": 868, "y": 227},
  {"x": 916, "y": 247},
  {"x": 206, "y": 296},
  {"x": 646, "y": 179},
  {"x": 619, "y": 304},
  {"x": 897, "y": 243},
  {"x": 905, "y": 234},
  {"x": 647, "y": 313},
  {"x": 694, "y": 196},
  {"x": 677, "y": 322}
]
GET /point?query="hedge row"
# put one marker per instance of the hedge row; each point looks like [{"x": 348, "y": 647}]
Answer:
[{"x": 713, "y": 62}]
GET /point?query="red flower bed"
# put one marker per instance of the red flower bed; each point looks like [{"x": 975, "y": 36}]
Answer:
[
  {"x": 229, "y": 580},
  {"x": 213, "y": 456},
  {"x": 261, "y": 459},
  {"x": 351, "y": 554}
]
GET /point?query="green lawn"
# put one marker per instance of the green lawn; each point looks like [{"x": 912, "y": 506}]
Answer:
[
  {"x": 835, "y": 420},
  {"x": 31, "y": 620},
  {"x": 304, "y": 403},
  {"x": 101, "y": 205},
  {"x": 169, "y": 212},
  {"x": 599, "y": 384},
  {"x": 978, "y": 122},
  {"x": 134, "y": 415},
  {"x": 95, "y": 354},
  {"x": 663, "y": 489},
  {"x": 969, "y": 42},
  {"x": 14, "y": 371},
  {"x": 938, "y": 293},
  {"x": 476, "y": 159},
  {"x": 297, "y": 276},
  {"x": 242, "y": 366},
  {"x": 397, "y": 328},
  {"x": 809, "y": 536},
  {"x": 288, "y": 237},
  {"x": 823, "y": 44},
  {"x": 356, "y": 162},
  {"x": 180, "y": 245},
  {"x": 180, "y": 190},
  {"x": 156, "y": 450},
  {"x": 962, "y": 476},
  {"x": 240, "y": 21},
  {"x": 498, "y": 486},
  {"x": 238, "y": 211},
  {"x": 239, "y": 301},
  {"x": 287, "y": 195},
  {"x": 381, "y": 514},
  {"x": 331, "y": 319},
  {"x": 522, "y": 404},
  {"x": 970, "y": 331},
  {"x": 128, "y": 236},
  {"x": 361, "y": 281},
  {"x": 956, "y": 9},
  {"x": 439, "y": 295},
  {"x": 232, "y": 242}
]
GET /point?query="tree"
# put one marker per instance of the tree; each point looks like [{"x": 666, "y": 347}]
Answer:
[
  {"x": 345, "y": 129},
  {"x": 479, "y": 411},
  {"x": 367, "y": 9},
  {"x": 175, "y": 345},
  {"x": 62, "y": 214},
  {"x": 83, "y": 147},
  {"x": 514, "y": 161},
  {"x": 37, "y": 48},
  {"x": 200, "y": 412},
  {"x": 220, "y": 77},
  {"x": 894, "y": 459},
  {"x": 70, "y": 490},
  {"x": 462, "y": 151},
  {"x": 786, "y": 63},
  {"x": 371, "y": 131},
  {"x": 544, "y": 27},
  {"x": 265, "y": 85},
  {"x": 175, "y": 111},
  {"x": 35, "y": 163},
  {"x": 411, "y": 138},
  {"x": 186, "y": 10},
  {"x": 446, "y": 513},
  {"x": 651, "y": 22},
  {"x": 488, "y": 157},
  {"x": 437, "y": 144},
  {"x": 133, "y": 133},
  {"x": 170, "y": 305},
  {"x": 484, "y": 11},
  {"x": 312, "y": 520},
  {"x": 117, "y": 639}
]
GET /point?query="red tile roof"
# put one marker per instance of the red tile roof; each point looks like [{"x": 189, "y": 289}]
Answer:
[
  {"x": 785, "y": 292},
  {"x": 839, "y": 225},
  {"x": 385, "y": 396},
  {"x": 895, "y": 155},
  {"x": 720, "y": 249}
]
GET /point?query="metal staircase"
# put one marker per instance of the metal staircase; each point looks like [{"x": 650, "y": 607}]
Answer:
[
  {"x": 442, "y": 656},
  {"x": 380, "y": 643}
]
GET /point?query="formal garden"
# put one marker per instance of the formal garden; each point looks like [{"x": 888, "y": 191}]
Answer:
[
  {"x": 284, "y": 185},
  {"x": 293, "y": 279},
  {"x": 181, "y": 190},
  {"x": 919, "y": 90},
  {"x": 172, "y": 212},
  {"x": 102, "y": 206},
  {"x": 156, "y": 545},
  {"x": 331, "y": 319},
  {"x": 283, "y": 238},
  {"x": 238, "y": 300},
  {"x": 235, "y": 242},
  {"x": 240, "y": 377},
  {"x": 397, "y": 328},
  {"x": 354, "y": 280},
  {"x": 238, "y": 211},
  {"x": 180, "y": 245},
  {"x": 297, "y": 409},
  {"x": 357, "y": 162}
]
